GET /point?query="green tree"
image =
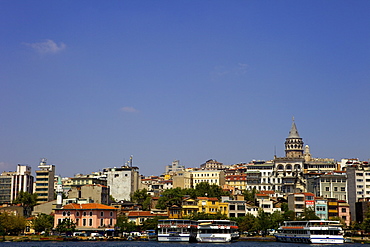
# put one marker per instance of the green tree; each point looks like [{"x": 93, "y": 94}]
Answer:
[
  {"x": 264, "y": 221},
  {"x": 276, "y": 218},
  {"x": 248, "y": 223},
  {"x": 43, "y": 222},
  {"x": 309, "y": 214},
  {"x": 124, "y": 225},
  {"x": 170, "y": 197},
  {"x": 365, "y": 225},
  {"x": 11, "y": 224},
  {"x": 27, "y": 200},
  {"x": 150, "y": 224},
  {"x": 141, "y": 197},
  {"x": 209, "y": 190},
  {"x": 250, "y": 196},
  {"x": 67, "y": 226}
]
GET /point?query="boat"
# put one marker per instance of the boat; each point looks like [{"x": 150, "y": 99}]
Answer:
[
  {"x": 217, "y": 231},
  {"x": 312, "y": 232},
  {"x": 176, "y": 230}
]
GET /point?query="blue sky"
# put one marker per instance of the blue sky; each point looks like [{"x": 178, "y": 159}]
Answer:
[{"x": 86, "y": 84}]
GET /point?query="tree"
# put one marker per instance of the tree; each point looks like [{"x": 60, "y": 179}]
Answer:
[
  {"x": 209, "y": 190},
  {"x": 124, "y": 225},
  {"x": 11, "y": 224},
  {"x": 276, "y": 218},
  {"x": 141, "y": 197},
  {"x": 250, "y": 196},
  {"x": 264, "y": 221},
  {"x": 248, "y": 223},
  {"x": 287, "y": 214},
  {"x": 365, "y": 225},
  {"x": 170, "y": 197},
  {"x": 27, "y": 200},
  {"x": 67, "y": 226},
  {"x": 43, "y": 222},
  {"x": 309, "y": 214},
  {"x": 150, "y": 224}
]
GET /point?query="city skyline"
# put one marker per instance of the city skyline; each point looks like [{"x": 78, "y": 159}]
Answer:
[{"x": 88, "y": 84}]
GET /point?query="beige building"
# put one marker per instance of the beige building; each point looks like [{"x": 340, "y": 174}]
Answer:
[
  {"x": 182, "y": 180},
  {"x": 216, "y": 177},
  {"x": 96, "y": 192}
]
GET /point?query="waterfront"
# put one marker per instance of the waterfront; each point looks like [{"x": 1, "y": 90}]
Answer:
[{"x": 152, "y": 243}]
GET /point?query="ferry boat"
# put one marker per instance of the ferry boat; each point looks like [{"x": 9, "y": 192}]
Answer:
[
  {"x": 217, "y": 231},
  {"x": 312, "y": 231},
  {"x": 176, "y": 230}
]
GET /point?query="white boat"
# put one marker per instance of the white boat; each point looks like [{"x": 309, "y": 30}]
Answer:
[
  {"x": 312, "y": 231},
  {"x": 217, "y": 231},
  {"x": 176, "y": 230}
]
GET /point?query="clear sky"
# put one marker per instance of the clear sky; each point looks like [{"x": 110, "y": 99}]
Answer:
[{"x": 86, "y": 84}]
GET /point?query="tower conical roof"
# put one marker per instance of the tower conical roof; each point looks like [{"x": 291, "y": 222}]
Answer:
[{"x": 293, "y": 133}]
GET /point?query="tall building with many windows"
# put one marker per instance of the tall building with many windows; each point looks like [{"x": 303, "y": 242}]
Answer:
[
  {"x": 44, "y": 187},
  {"x": 11, "y": 183}
]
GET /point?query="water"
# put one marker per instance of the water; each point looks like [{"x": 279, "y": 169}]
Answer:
[{"x": 156, "y": 244}]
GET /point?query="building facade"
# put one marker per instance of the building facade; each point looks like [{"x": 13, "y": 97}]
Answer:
[
  {"x": 44, "y": 187},
  {"x": 122, "y": 181},
  {"x": 11, "y": 183}
]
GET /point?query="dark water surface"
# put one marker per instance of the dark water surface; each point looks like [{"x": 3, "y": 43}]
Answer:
[{"x": 156, "y": 244}]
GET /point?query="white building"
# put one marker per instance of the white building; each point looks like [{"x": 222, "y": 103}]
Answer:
[
  {"x": 13, "y": 182},
  {"x": 123, "y": 181}
]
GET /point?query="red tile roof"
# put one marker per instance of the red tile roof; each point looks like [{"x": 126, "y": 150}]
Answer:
[
  {"x": 143, "y": 214},
  {"x": 88, "y": 206}
]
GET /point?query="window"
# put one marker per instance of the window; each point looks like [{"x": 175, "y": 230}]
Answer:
[
  {"x": 77, "y": 213},
  {"x": 232, "y": 207},
  {"x": 101, "y": 222},
  {"x": 320, "y": 208},
  {"x": 64, "y": 213},
  {"x": 90, "y": 222},
  {"x": 359, "y": 174},
  {"x": 335, "y": 188},
  {"x": 101, "y": 214},
  {"x": 344, "y": 210},
  {"x": 327, "y": 189},
  {"x": 84, "y": 222},
  {"x": 90, "y": 213},
  {"x": 84, "y": 213},
  {"x": 342, "y": 188},
  {"x": 111, "y": 214},
  {"x": 77, "y": 221}
]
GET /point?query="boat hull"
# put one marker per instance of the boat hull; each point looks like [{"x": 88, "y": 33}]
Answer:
[
  {"x": 213, "y": 238},
  {"x": 312, "y": 239},
  {"x": 168, "y": 238}
]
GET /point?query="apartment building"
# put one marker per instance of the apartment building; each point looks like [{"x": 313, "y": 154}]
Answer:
[
  {"x": 216, "y": 177},
  {"x": 358, "y": 183},
  {"x": 11, "y": 183},
  {"x": 44, "y": 187},
  {"x": 330, "y": 185},
  {"x": 297, "y": 202}
]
